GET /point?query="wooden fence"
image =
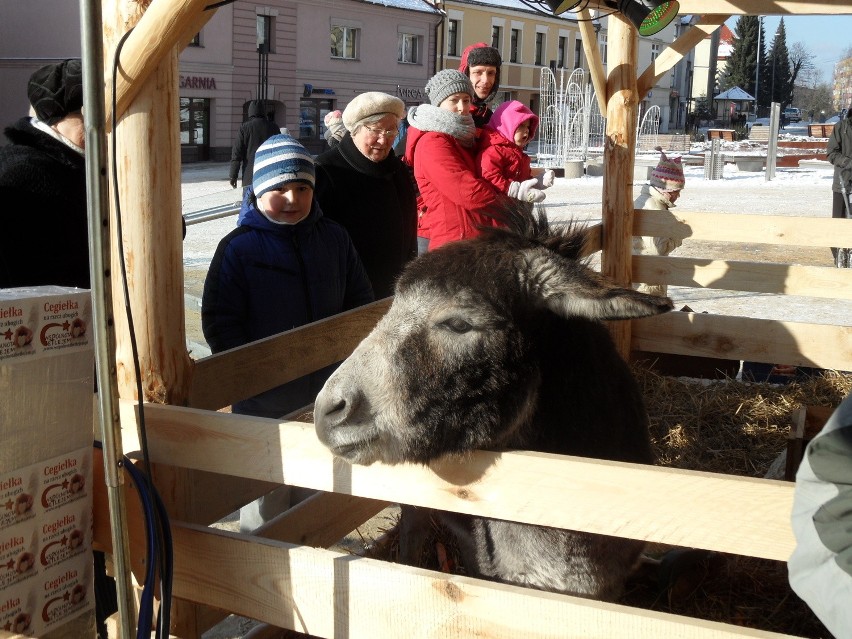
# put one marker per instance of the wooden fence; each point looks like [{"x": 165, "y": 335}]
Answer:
[{"x": 287, "y": 578}]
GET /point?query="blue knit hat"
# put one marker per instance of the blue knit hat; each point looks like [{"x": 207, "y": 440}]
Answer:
[{"x": 278, "y": 161}]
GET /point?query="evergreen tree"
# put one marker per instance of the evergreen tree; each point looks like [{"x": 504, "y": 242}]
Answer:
[
  {"x": 780, "y": 77},
  {"x": 741, "y": 65}
]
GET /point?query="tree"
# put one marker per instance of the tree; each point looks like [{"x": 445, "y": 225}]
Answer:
[
  {"x": 781, "y": 82},
  {"x": 803, "y": 71},
  {"x": 741, "y": 65}
]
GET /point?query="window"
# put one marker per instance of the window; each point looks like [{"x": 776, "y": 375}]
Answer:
[
  {"x": 453, "y": 37},
  {"x": 496, "y": 36},
  {"x": 602, "y": 46},
  {"x": 265, "y": 32},
  {"x": 196, "y": 40},
  {"x": 578, "y": 53},
  {"x": 539, "y": 48},
  {"x": 344, "y": 42},
  {"x": 408, "y": 49},
  {"x": 561, "y": 50},
  {"x": 514, "y": 37},
  {"x": 312, "y": 112},
  {"x": 655, "y": 51}
]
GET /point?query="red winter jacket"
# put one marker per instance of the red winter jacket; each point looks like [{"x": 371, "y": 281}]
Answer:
[
  {"x": 499, "y": 160},
  {"x": 452, "y": 196}
]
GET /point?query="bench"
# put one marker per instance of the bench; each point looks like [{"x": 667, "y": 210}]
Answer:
[
  {"x": 722, "y": 134},
  {"x": 668, "y": 141},
  {"x": 759, "y": 133},
  {"x": 820, "y": 130}
]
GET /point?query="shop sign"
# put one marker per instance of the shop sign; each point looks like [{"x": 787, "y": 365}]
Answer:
[
  {"x": 407, "y": 93},
  {"x": 197, "y": 82}
]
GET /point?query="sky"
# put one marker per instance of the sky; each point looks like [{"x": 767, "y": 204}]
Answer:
[{"x": 826, "y": 37}]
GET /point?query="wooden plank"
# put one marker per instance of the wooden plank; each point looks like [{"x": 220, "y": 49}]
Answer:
[
  {"x": 328, "y": 594},
  {"x": 619, "y": 154},
  {"x": 763, "y": 7},
  {"x": 593, "y": 56},
  {"x": 321, "y": 520},
  {"x": 736, "y": 227},
  {"x": 755, "y": 340},
  {"x": 676, "y": 51},
  {"x": 226, "y": 377},
  {"x": 756, "y": 277},
  {"x": 643, "y": 502}
]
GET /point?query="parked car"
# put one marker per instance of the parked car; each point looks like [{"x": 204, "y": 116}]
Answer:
[
  {"x": 757, "y": 122},
  {"x": 792, "y": 114}
]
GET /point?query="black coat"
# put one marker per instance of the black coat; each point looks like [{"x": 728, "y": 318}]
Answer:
[
  {"x": 375, "y": 202},
  {"x": 253, "y": 132},
  {"x": 45, "y": 237}
]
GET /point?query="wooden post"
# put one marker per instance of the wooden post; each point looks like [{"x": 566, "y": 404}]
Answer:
[
  {"x": 619, "y": 151},
  {"x": 149, "y": 191}
]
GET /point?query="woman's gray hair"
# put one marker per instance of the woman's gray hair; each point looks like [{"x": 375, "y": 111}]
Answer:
[{"x": 372, "y": 119}]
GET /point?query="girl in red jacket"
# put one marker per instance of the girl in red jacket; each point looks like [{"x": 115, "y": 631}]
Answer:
[
  {"x": 441, "y": 148},
  {"x": 501, "y": 159}
]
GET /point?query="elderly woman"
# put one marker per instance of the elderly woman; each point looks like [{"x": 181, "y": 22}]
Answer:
[{"x": 365, "y": 187}]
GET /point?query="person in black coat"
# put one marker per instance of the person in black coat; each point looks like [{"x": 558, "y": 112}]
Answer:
[
  {"x": 253, "y": 132},
  {"x": 364, "y": 186},
  {"x": 43, "y": 185}
]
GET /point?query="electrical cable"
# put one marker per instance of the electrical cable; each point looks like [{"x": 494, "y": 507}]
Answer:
[{"x": 160, "y": 535}]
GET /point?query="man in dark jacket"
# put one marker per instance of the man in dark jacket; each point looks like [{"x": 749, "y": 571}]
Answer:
[
  {"x": 253, "y": 132},
  {"x": 43, "y": 176},
  {"x": 482, "y": 64}
]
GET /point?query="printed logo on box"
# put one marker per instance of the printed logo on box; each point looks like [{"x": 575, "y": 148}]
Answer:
[
  {"x": 17, "y": 330},
  {"x": 17, "y": 492},
  {"x": 63, "y": 482}
]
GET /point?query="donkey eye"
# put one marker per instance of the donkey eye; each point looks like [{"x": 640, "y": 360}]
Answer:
[{"x": 457, "y": 325}]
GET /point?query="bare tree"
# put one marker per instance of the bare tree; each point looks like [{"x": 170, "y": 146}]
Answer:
[{"x": 803, "y": 71}]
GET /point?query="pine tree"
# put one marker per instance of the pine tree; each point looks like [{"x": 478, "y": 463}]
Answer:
[
  {"x": 781, "y": 81},
  {"x": 741, "y": 65}
]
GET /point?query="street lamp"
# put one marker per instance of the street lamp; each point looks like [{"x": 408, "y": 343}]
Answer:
[{"x": 757, "y": 65}]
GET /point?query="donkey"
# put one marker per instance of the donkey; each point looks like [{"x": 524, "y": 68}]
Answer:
[{"x": 496, "y": 343}]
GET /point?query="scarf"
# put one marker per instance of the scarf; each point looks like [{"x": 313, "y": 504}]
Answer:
[
  {"x": 431, "y": 118},
  {"x": 56, "y": 135}
]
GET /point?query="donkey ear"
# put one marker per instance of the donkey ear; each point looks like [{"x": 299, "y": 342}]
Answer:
[{"x": 571, "y": 289}]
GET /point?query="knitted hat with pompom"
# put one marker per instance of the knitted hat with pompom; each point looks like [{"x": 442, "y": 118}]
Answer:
[{"x": 668, "y": 174}]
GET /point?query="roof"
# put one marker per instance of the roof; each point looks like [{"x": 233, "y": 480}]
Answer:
[
  {"x": 411, "y": 5},
  {"x": 735, "y": 93}
]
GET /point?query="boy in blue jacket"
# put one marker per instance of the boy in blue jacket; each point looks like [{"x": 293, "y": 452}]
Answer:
[{"x": 284, "y": 267}]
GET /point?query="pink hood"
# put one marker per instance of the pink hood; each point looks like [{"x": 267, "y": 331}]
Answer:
[{"x": 508, "y": 116}]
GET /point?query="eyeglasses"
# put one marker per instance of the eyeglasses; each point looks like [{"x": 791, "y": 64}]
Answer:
[{"x": 387, "y": 133}]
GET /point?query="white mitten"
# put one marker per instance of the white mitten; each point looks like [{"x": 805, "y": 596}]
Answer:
[
  {"x": 545, "y": 180},
  {"x": 525, "y": 191}
]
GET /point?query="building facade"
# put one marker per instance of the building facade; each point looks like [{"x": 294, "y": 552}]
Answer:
[{"x": 308, "y": 57}]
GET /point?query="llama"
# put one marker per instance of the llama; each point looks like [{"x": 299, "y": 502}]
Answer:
[{"x": 496, "y": 343}]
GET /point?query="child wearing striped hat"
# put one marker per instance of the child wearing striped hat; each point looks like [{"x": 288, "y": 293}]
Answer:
[
  {"x": 284, "y": 266},
  {"x": 667, "y": 181}
]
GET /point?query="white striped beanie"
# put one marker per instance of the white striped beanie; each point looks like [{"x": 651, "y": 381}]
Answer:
[{"x": 278, "y": 161}]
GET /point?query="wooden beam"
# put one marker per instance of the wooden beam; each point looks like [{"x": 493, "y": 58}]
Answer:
[
  {"x": 675, "y": 52},
  {"x": 746, "y": 229},
  {"x": 163, "y": 27},
  {"x": 329, "y": 594},
  {"x": 593, "y": 55},
  {"x": 755, "y": 277},
  {"x": 226, "y": 377},
  {"x": 766, "y": 7},
  {"x": 643, "y": 502},
  {"x": 745, "y": 338},
  {"x": 619, "y": 151},
  {"x": 753, "y": 7}
]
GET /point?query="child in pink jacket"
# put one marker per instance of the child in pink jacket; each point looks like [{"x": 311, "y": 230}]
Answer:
[{"x": 500, "y": 156}]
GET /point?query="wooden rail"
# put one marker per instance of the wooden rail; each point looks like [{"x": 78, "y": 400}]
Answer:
[{"x": 314, "y": 590}]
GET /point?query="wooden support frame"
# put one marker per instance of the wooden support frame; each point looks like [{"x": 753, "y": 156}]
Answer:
[{"x": 291, "y": 581}]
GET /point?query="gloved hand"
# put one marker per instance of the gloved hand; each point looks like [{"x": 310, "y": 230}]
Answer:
[
  {"x": 545, "y": 180},
  {"x": 525, "y": 191},
  {"x": 233, "y": 183}
]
